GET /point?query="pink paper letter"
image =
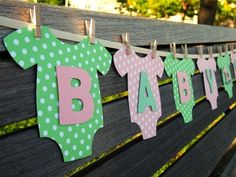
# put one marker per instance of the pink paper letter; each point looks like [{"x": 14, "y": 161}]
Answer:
[
  {"x": 67, "y": 93},
  {"x": 184, "y": 90}
]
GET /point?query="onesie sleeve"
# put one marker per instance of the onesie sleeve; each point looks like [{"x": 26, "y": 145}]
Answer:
[
  {"x": 169, "y": 65},
  {"x": 219, "y": 62},
  {"x": 200, "y": 64},
  {"x": 23, "y": 47},
  {"x": 102, "y": 58},
  {"x": 159, "y": 65},
  {"x": 121, "y": 61}
]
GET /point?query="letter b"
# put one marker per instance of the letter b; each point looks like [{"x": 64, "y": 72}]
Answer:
[
  {"x": 184, "y": 89},
  {"x": 67, "y": 93}
]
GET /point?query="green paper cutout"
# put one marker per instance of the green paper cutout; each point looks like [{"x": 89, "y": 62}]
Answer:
[
  {"x": 145, "y": 97},
  {"x": 224, "y": 65},
  {"x": 48, "y": 52},
  {"x": 172, "y": 66},
  {"x": 210, "y": 79}
]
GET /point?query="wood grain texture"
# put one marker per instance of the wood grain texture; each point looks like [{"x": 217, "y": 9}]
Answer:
[
  {"x": 29, "y": 155},
  {"x": 110, "y": 26}
]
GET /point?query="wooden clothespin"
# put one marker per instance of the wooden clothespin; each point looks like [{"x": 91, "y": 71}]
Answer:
[
  {"x": 231, "y": 46},
  {"x": 90, "y": 30},
  {"x": 36, "y": 20},
  {"x": 185, "y": 50},
  {"x": 153, "y": 47},
  {"x": 210, "y": 51},
  {"x": 173, "y": 49},
  {"x": 226, "y": 48},
  {"x": 200, "y": 51},
  {"x": 219, "y": 47},
  {"x": 126, "y": 40}
]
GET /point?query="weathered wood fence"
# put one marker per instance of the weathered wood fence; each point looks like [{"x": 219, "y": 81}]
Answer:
[{"x": 118, "y": 148}]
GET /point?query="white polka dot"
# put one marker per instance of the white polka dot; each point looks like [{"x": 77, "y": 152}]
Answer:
[
  {"x": 54, "y": 44},
  {"x": 32, "y": 60},
  {"x": 83, "y": 46},
  {"x": 94, "y": 95},
  {"x": 46, "y": 35},
  {"x": 16, "y": 41},
  {"x": 47, "y": 120},
  {"x": 38, "y": 80},
  {"x": 74, "y": 147},
  {"x": 67, "y": 141},
  {"x": 69, "y": 129},
  {"x": 21, "y": 63},
  {"x": 89, "y": 136},
  {"x": 60, "y": 52},
  {"x": 74, "y": 57},
  {"x": 81, "y": 55},
  {"x": 42, "y": 57},
  {"x": 49, "y": 108},
  {"x": 54, "y": 127},
  {"x": 45, "y": 88},
  {"x": 76, "y": 135},
  {"x": 99, "y": 58},
  {"x": 93, "y": 59},
  {"x": 88, "y": 52},
  {"x": 45, "y": 133},
  {"x": 68, "y": 49},
  {"x": 35, "y": 49},
  {"x": 96, "y": 121},
  {"x": 82, "y": 141},
  {"x": 72, "y": 158},
  {"x": 79, "y": 64},
  {"x": 83, "y": 130},
  {"x": 86, "y": 62},
  {"x": 51, "y": 96},
  {"x": 101, "y": 48},
  {"x": 47, "y": 77},
  {"x": 94, "y": 51},
  {"x": 58, "y": 62},
  {"x": 87, "y": 147},
  {"x": 66, "y": 153},
  {"x": 40, "y": 113},
  {"x": 80, "y": 153},
  {"x": 42, "y": 100},
  {"x": 13, "y": 54},
  {"x": 45, "y": 46},
  {"x": 51, "y": 54},
  {"x": 54, "y": 85},
  {"x": 76, "y": 47},
  {"x": 61, "y": 134},
  {"x": 66, "y": 60},
  {"x": 24, "y": 51},
  {"x": 30, "y": 28},
  {"x": 19, "y": 31},
  {"x": 49, "y": 65},
  {"x": 56, "y": 115},
  {"x": 27, "y": 39}
]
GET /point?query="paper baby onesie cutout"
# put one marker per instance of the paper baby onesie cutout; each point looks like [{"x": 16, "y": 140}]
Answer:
[
  {"x": 233, "y": 61},
  {"x": 134, "y": 66},
  {"x": 75, "y": 141},
  {"x": 68, "y": 93},
  {"x": 224, "y": 65},
  {"x": 145, "y": 97},
  {"x": 174, "y": 67},
  {"x": 208, "y": 68}
]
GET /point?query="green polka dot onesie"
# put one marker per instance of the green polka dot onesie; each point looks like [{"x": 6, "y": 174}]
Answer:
[
  {"x": 174, "y": 67},
  {"x": 223, "y": 63},
  {"x": 47, "y": 52}
]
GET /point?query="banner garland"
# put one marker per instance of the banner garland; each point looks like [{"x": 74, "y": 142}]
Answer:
[{"x": 68, "y": 95}]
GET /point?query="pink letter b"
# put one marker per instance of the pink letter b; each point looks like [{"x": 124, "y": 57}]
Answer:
[{"x": 67, "y": 93}]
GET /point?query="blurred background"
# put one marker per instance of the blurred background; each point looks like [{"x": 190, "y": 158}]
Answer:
[{"x": 211, "y": 12}]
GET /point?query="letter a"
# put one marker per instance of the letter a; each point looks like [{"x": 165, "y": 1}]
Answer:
[
  {"x": 184, "y": 89},
  {"x": 67, "y": 93},
  {"x": 145, "y": 98}
]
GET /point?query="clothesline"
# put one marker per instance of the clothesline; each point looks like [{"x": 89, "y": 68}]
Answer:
[{"x": 16, "y": 24}]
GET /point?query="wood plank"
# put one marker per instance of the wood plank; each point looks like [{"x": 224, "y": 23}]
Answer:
[
  {"x": 144, "y": 158},
  {"x": 110, "y": 26},
  {"x": 230, "y": 170}
]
